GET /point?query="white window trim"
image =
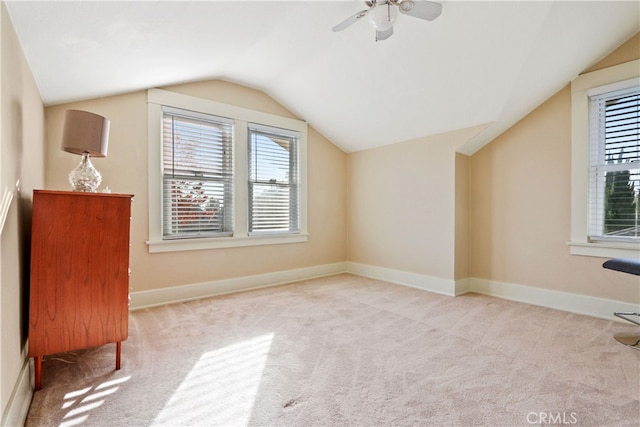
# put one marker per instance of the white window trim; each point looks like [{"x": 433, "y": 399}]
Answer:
[
  {"x": 581, "y": 88},
  {"x": 156, "y": 98}
]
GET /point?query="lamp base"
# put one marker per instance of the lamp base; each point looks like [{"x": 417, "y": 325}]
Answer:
[{"x": 85, "y": 177}]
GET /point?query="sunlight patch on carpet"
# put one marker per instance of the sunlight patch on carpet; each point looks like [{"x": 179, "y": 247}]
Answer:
[
  {"x": 81, "y": 402},
  {"x": 221, "y": 387}
]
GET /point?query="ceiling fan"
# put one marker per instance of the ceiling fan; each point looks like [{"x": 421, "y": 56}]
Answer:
[{"x": 383, "y": 13}]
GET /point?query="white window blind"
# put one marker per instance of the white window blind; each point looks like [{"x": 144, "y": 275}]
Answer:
[
  {"x": 273, "y": 180},
  {"x": 614, "y": 211},
  {"x": 197, "y": 172}
]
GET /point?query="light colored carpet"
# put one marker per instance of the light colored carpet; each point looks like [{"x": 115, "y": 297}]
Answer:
[{"x": 348, "y": 351}]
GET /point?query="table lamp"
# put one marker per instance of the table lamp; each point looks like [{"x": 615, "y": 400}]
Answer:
[{"x": 86, "y": 134}]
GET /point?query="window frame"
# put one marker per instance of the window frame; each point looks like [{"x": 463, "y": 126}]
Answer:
[
  {"x": 156, "y": 99},
  {"x": 582, "y": 87},
  {"x": 600, "y": 166},
  {"x": 224, "y": 178},
  {"x": 290, "y": 183}
]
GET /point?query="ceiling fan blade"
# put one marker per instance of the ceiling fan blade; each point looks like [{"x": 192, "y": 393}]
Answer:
[
  {"x": 422, "y": 9},
  {"x": 350, "y": 20},
  {"x": 383, "y": 35}
]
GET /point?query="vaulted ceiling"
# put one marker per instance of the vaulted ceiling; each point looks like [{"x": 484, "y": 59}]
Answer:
[{"x": 478, "y": 63}]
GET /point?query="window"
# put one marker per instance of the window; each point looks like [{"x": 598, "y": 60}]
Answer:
[
  {"x": 615, "y": 165},
  {"x": 225, "y": 176},
  {"x": 197, "y": 175},
  {"x": 273, "y": 180},
  {"x": 604, "y": 162}
]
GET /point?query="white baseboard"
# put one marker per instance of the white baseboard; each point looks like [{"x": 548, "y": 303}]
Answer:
[
  {"x": 565, "y": 301},
  {"x": 463, "y": 286},
  {"x": 20, "y": 400},
  {"x": 414, "y": 280},
  {"x": 155, "y": 297}
]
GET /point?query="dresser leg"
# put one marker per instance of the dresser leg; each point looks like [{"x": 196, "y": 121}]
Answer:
[
  {"x": 118, "y": 351},
  {"x": 37, "y": 368}
]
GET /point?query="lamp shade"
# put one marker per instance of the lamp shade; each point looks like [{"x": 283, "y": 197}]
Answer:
[{"x": 85, "y": 132}]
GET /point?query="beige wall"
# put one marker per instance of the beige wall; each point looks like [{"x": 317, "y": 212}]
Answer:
[
  {"x": 21, "y": 170},
  {"x": 125, "y": 170},
  {"x": 626, "y": 52},
  {"x": 462, "y": 231},
  {"x": 402, "y": 200},
  {"x": 520, "y": 205}
]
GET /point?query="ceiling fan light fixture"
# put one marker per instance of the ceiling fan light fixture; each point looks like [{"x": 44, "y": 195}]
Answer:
[{"x": 382, "y": 16}]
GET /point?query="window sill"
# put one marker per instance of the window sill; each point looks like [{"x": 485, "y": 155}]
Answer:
[
  {"x": 605, "y": 249},
  {"x": 157, "y": 246}
]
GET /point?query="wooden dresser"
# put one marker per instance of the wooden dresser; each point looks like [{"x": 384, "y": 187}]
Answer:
[{"x": 79, "y": 294}]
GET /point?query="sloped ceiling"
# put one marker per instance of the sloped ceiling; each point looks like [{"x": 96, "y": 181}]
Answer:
[{"x": 478, "y": 63}]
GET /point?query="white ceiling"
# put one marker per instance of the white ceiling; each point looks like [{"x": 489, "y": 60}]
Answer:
[{"x": 478, "y": 63}]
